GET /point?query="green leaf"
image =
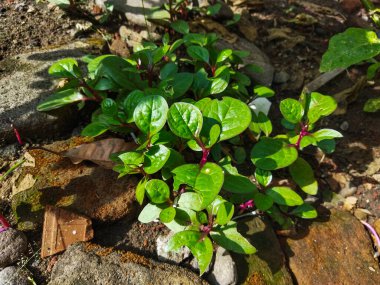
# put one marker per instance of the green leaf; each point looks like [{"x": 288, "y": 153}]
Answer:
[
  {"x": 181, "y": 83},
  {"x": 263, "y": 177},
  {"x": 240, "y": 155},
  {"x": 350, "y": 47},
  {"x": 157, "y": 191},
  {"x": 95, "y": 129},
  {"x": 150, "y": 213},
  {"x": 109, "y": 107},
  {"x": 131, "y": 159},
  {"x": 303, "y": 175},
  {"x": 67, "y": 67},
  {"x": 326, "y": 134},
  {"x": 224, "y": 213},
  {"x": 320, "y": 106},
  {"x": 228, "y": 237},
  {"x": 223, "y": 55},
  {"x": 167, "y": 215},
  {"x": 262, "y": 201},
  {"x": 159, "y": 15},
  {"x": 150, "y": 114},
  {"x": 60, "y": 99},
  {"x": 185, "y": 174},
  {"x": 185, "y": 120},
  {"x": 238, "y": 184},
  {"x": 372, "y": 70},
  {"x": 220, "y": 82},
  {"x": 200, "y": 247},
  {"x": 198, "y": 53},
  {"x": 263, "y": 91},
  {"x": 264, "y": 123},
  {"x": 271, "y": 154},
  {"x": 130, "y": 103},
  {"x": 233, "y": 115},
  {"x": 212, "y": 10},
  {"x": 169, "y": 69},
  {"x": 305, "y": 211},
  {"x": 140, "y": 190},
  {"x": 180, "y": 26},
  {"x": 191, "y": 200},
  {"x": 327, "y": 146},
  {"x": 292, "y": 110},
  {"x": 284, "y": 196},
  {"x": 155, "y": 158},
  {"x": 372, "y": 105}
]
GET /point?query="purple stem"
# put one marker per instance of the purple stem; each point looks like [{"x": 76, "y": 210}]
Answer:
[
  {"x": 374, "y": 233},
  {"x": 205, "y": 153}
]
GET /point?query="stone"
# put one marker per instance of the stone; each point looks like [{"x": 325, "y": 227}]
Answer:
[
  {"x": 170, "y": 256},
  {"x": 26, "y": 83},
  {"x": 267, "y": 265},
  {"x": 91, "y": 264},
  {"x": 281, "y": 77},
  {"x": 13, "y": 244},
  {"x": 224, "y": 270},
  {"x": 333, "y": 251},
  {"x": 13, "y": 275},
  {"x": 344, "y": 126},
  {"x": 83, "y": 188},
  {"x": 256, "y": 57},
  {"x": 362, "y": 214}
]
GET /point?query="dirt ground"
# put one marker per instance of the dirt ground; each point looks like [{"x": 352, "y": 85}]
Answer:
[{"x": 294, "y": 43}]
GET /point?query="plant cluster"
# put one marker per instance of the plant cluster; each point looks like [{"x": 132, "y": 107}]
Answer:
[{"x": 187, "y": 104}]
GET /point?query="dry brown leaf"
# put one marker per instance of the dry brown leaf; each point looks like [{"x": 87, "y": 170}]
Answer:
[
  {"x": 285, "y": 34},
  {"x": 26, "y": 183},
  {"x": 99, "y": 151},
  {"x": 119, "y": 47},
  {"x": 303, "y": 19},
  {"x": 246, "y": 27},
  {"x": 212, "y": 26},
  {"x": 349, "y": 95},
  {"x": 29, "y": 160}
]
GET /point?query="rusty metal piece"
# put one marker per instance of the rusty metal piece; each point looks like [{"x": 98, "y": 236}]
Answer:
[{"x": 63, "y": 228}]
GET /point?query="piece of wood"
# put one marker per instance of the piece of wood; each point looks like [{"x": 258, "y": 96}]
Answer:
[{"x": 63, "y": 228}]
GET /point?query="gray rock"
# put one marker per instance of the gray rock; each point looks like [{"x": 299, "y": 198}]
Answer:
[
  {"x": 25, "y": 84},
  {"x": 170, "y": 256},
  {"x": 224, "y": 270},
  {"x": 281, "y": 77},
  {"x": 13, "y": 245},
  {"x": 348, "y": 190},
  {"x": 344, "y": 126},
  {"x": 8, "y": 152},
  {"x": 80, "y": 266},
  {"x": 256, "y": 57},
  {"x": 13, "y": 276}
]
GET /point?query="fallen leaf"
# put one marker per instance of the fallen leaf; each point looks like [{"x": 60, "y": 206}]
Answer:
[
  {"x": 303, "y": 19},
  {"x": 349, "y": 203},
  {"x": 246, "y": 26},
  {"x": 349, "y": 95},
  {"x": 285, "y": 34},
  {"x": 26, "y": 183},
  {"x": 29, "y": 160},
  {"x": 99, "y": 151},
  {"x": 119, "y": 47},
  {"x": 63, "y": 228},
  {"x": 212, "y": 26}
]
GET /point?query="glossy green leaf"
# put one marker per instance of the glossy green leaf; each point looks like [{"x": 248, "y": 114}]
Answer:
[
  {"x": 167, "y": 215},
  {"x": 109, "y": 107},
  {"x": 157, "y": 191},
  {"x": 132, "y": 159},
  {"x": 262, "y": 202},
  {"x": 372, "y": 70},
  {"x": 263, "y": 177},
  {"x": 140, "y": 190},
  {"x": 264, "y": 123},
  {"x": 238, "y": 184},
  {"x": 198, "y": 53},
  {"x": 200, "y": 247},
  {"x": 150, "y": 213},
  {"x": 191, "y": 200},
  {"x": 150, "y": 114},
  {"x": 305, "y": 211},
  {"x": 224, "y": 213},
  {"x": 283, "y": 195},
  {"x": 292, "y": 110},
  {"x": 271, "y": 154},
  {"x": 180, "y": 26},
  {"x": 326, "y": 134},
  {"x": 130, "y": 103},
  {"x": 372, "y": 105},
  {"x": 155, "y": 158},
  {"x": 181, "y": 83},
  {"x": 65, "y": 68},
  {"x": 185, "y": 120},
  {"x": 212, "y": 10},
  {"x": 263, "y": 91},
  {"x": 220, "y": 82},
  {"x": 228, "y": 237},
  {"x": 169, "y": 69},
  {"x": 60, "y": 99},
  {"x": 327, "y": 146},
  {"x": 320, "y": 106},
  {"x": 233, "y": 115},
  {"x": 303, "y": 175},
  {"x": 95, "y": 129},
  {"x": 350, "y": 47},
  {"x": 223, "y": 55}
]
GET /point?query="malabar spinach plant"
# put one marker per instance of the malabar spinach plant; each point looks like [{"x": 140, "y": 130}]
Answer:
[{"x": 187, "y": 104}]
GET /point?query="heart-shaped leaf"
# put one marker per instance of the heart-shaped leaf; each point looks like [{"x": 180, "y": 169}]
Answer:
[
  {"x": 185, "y": 120},
  {"x": 320, "y": 106},
  {"x": 292, "y": 110},
  {"x": 157, "y": 191},
  {"x": 167, "y": 215}
]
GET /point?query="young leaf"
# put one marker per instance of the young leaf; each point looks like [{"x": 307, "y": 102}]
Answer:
[
  {"x": 157, "y": 191},
  {"x": 223, "y": 55},
  {"x": 263, "y": 177},
  {"x": 198, "y": 53},
  {"x": 150, "y": 213},
  {"x": 350, "y": 47},
  {"x": 303, "y": 175},
  {"x": 263, "y": 91},
  {"x": 180, "y": 26},
  {"x": 263, "y": 202},
  {"x": 326, "y": 134},
  {"x": 233, "y": 115},
  {"x": 185, "y": 120},
  {"x": 155, "y": 158},
  {"x": 228, "y": 237},
  {"x": 292, "y": 110},
  {"x": 271, "y": 154},
  {"x": 320, "y": 106},
  {"x": 305, "y": 211},
  {"x": 372, "y": 105},
  {"x": 220, "y": 82},
  {"x": 67, "y": 67},
  {"x": 140, "y": 190},
  {"x": 60, "y": 99},
  {"x": 150, "y": 114},
  {"x": 284, "y": 196},
  {"x": 131, "y": 160},
  {"x": 264, "y": 123},
  {"x": 200, "y": 247},
  {"x": 167, "y": 215}
]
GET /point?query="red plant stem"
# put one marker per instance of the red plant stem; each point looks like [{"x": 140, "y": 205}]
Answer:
[
  {"x": 205, "y": 154},
  {"x": 17, "y": 134},
  {"x": 302, "y": 134},
  {"x": 97, "y": 98},
  {"x": 4, "y": 222}
]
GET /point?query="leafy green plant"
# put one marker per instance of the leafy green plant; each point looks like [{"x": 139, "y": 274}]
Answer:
[
  {"x": 356, "y": 45},
  {"x": 187, "y": 104}
]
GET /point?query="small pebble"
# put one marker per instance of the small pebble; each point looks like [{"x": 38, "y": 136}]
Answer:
[
  {"x": 13, "y": 244},
  {"x": 281, "y": 77},
  {"x": 13, "y": 276},
  {"x": 344, "y": 126}
]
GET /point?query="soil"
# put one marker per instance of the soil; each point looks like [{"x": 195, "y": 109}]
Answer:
[{"x": 357, "y": 153}]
